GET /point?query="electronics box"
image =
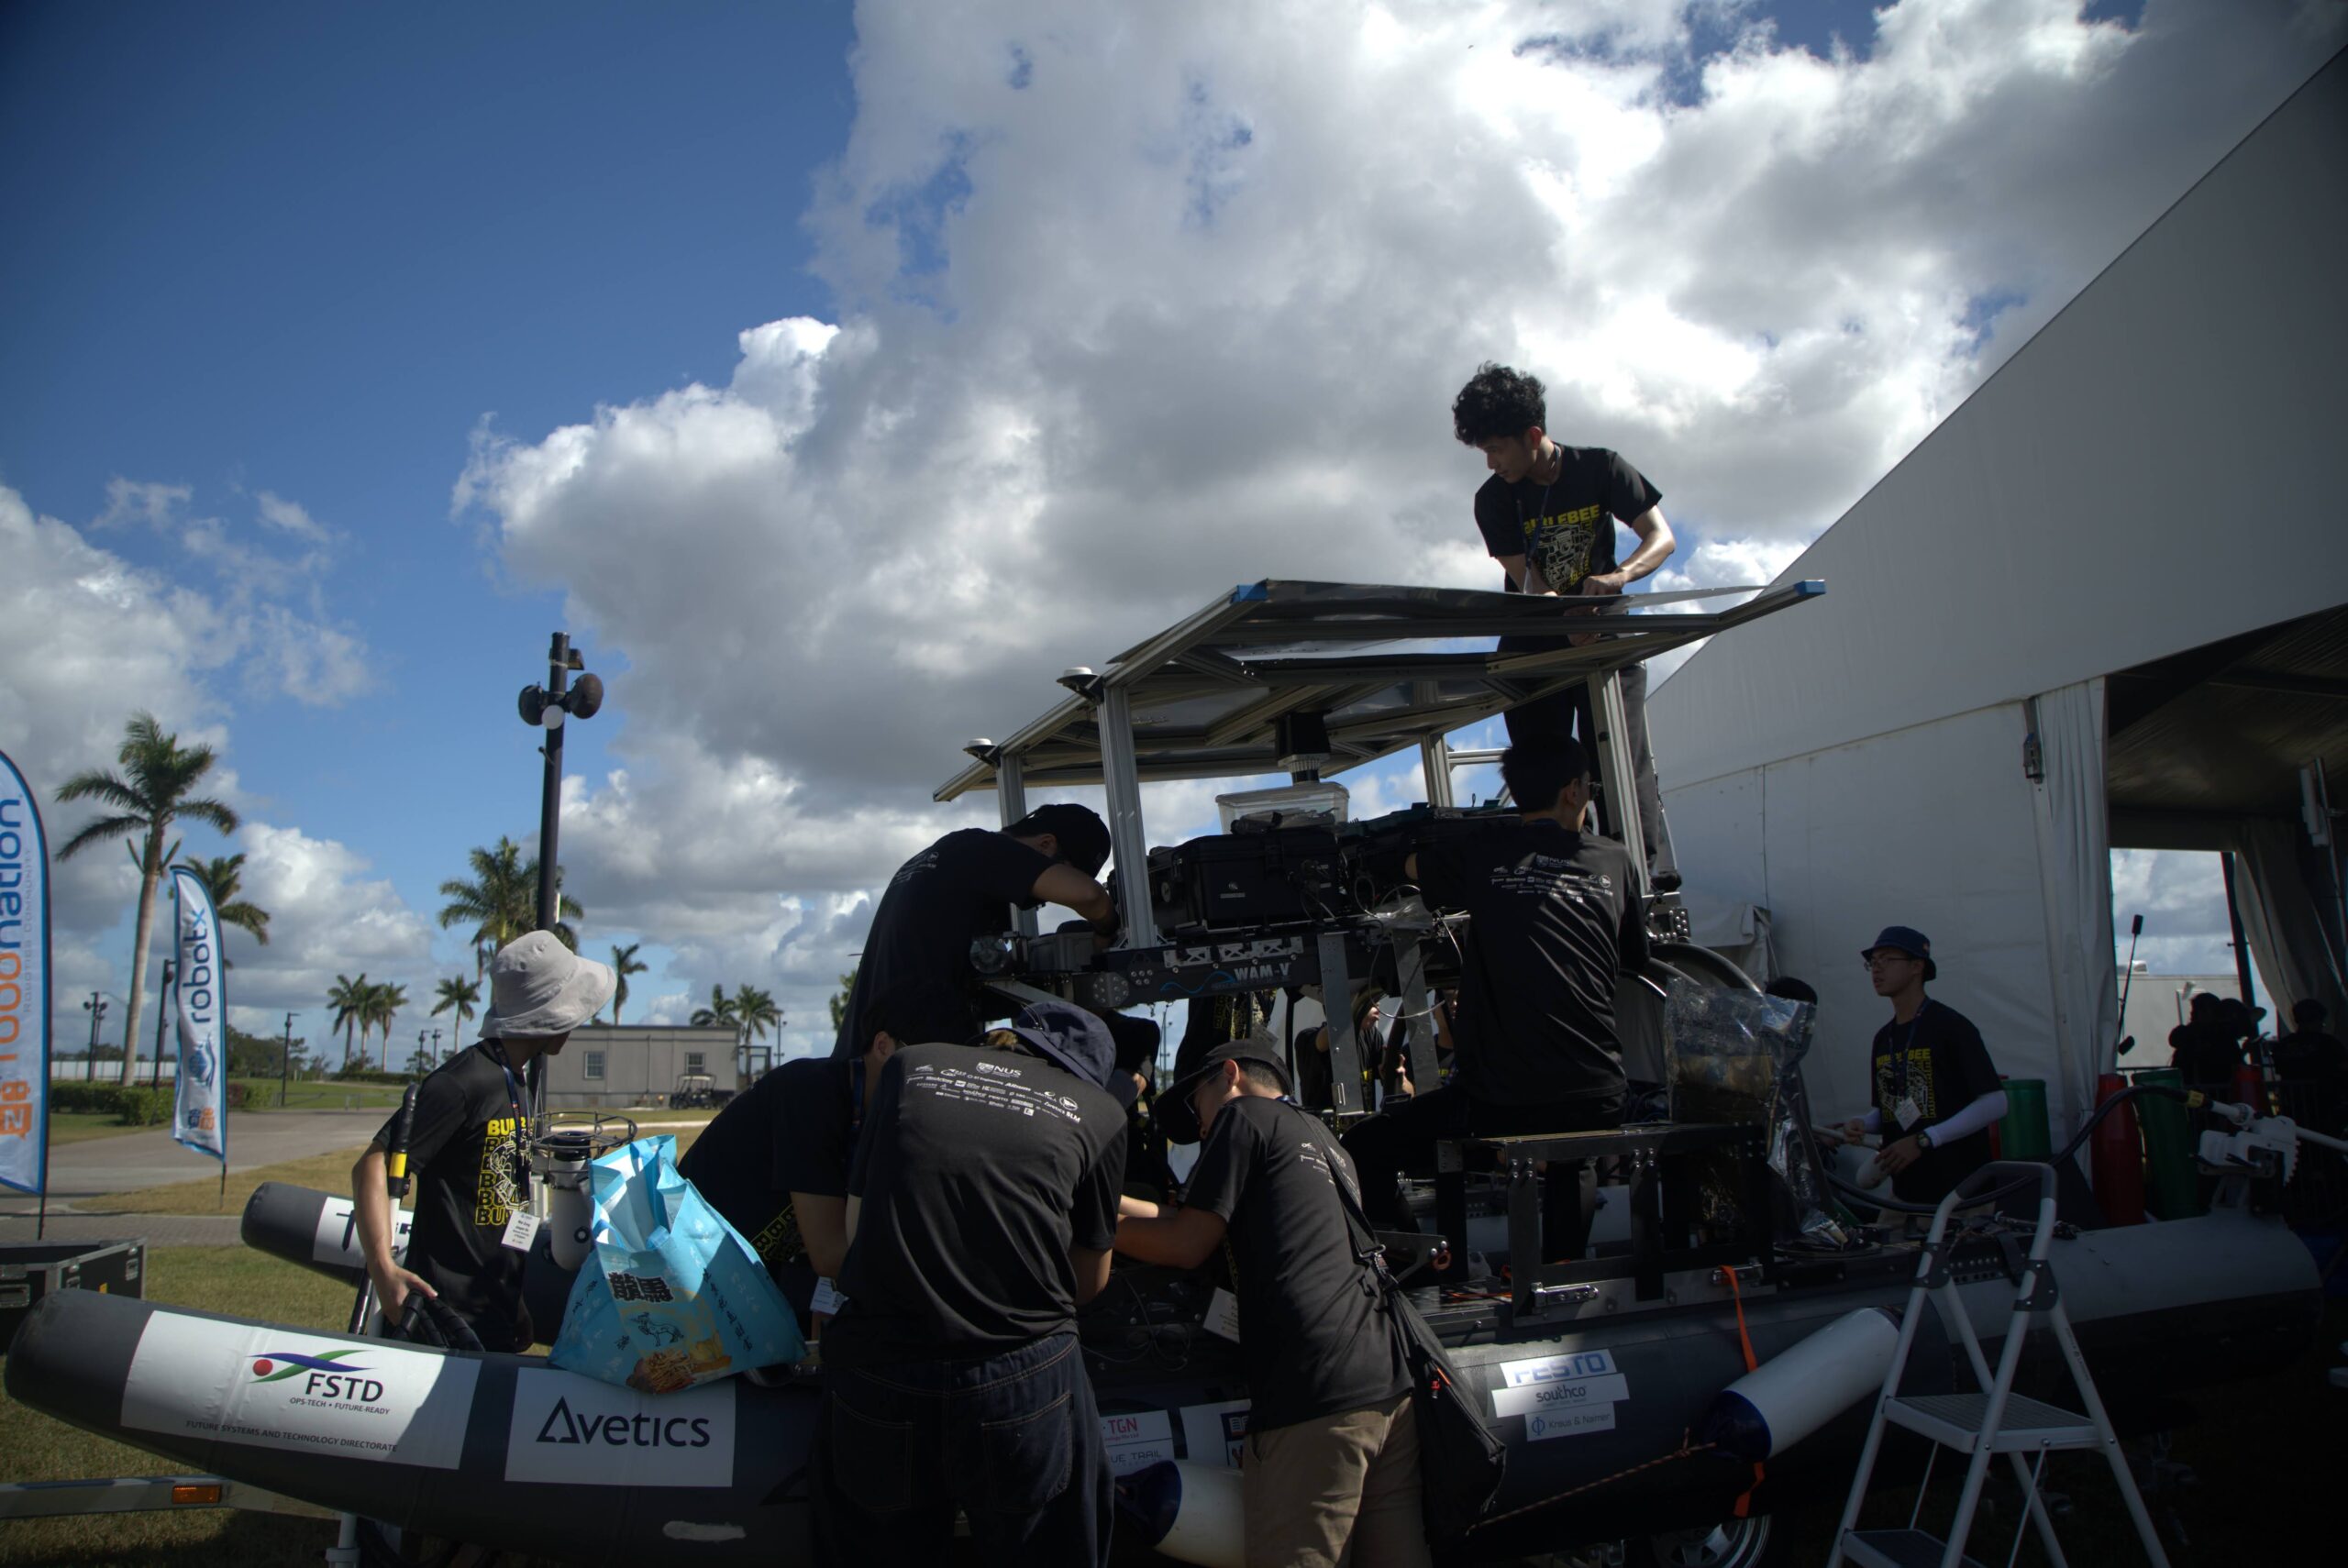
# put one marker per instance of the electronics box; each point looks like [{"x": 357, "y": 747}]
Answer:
[
  {"x": 30, "y": 1270},
  {"x": 1317, "y": 804},
  {"x": 1274, "y": 877}
]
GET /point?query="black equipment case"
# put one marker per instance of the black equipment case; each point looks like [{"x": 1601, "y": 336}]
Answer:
[
  {"x": 1276, "y": 876},
  {"x": 30, "y": 1270}
]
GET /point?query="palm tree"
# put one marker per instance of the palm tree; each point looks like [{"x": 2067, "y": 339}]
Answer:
[
  {"x": 348, "y": 999},
  {"x": 383, "y": 1003},
  {"x": 501, "y": 900},
  {"x": 721, "y": 1010},
  {"x": 223, "y": 878},
  {"x": 624, "y": 963},
  {"x": 756, "y": 1013},
  {"x": 456, "y": 995},
  {"x": 161, "y": 773},
  {"x": 839, "y": 999}
]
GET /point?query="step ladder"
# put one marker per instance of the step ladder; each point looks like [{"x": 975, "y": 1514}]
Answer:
[{"x": 1995, "y": 1421}]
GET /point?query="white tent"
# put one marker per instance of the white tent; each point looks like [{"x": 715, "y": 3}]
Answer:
[{"x": 2101, "y": 602}]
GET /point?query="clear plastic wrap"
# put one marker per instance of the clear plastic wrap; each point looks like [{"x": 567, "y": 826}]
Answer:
[{"x": 1736, "y": 1055}]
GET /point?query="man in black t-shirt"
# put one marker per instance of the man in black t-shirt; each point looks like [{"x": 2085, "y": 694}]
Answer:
[
  {"x": 1936, "y": 1090},
  {"x": 775, "y": 1161},
  {"x": 1547, "y": 516},
  {"x": 2202, "y": 1050},
  {"x": 982, "y": 1203},
  {"x": 1551, "y": 920},
  {"x": 1332, "y": 1471},
  {"x": 962, "y": 887},
  {"x": 464, "y": 1150},
  {"x": 2311, "y": 1058}
]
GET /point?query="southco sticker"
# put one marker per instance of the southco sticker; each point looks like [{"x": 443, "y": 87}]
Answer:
[
  {"x": 574, "y": 1430},
  {"x": 272, "y": 1387}
]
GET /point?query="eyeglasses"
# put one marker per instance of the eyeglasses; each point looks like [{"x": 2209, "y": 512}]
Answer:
[{"x": 1876, "y": 960}]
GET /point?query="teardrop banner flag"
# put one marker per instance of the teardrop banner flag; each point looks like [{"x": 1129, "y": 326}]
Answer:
[
  {"x": 199, "y": 1114},
  {"x": 24, "y": 986}
]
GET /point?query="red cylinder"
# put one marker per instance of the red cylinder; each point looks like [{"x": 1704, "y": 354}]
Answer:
[
  {"x": 2119, "y": 1159},
  {"x": 2250, "y": 1089}
]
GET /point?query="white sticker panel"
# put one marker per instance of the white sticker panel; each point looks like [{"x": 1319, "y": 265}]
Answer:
[
  {"x": 1216, "y": 1434},
  {"x": 1140, "y": 1439},
  {"x": 576, "y": 1431},
  {"x": 1557, "y": 1368},
  {"x": 1556, "y": 1398},
  {"x": 283, "y": 1388},
  {"x": 1573, "y": 1423},
  {"x": 337, "y": 1240}
]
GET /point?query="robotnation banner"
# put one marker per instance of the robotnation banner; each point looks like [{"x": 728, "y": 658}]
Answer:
[
  {"x": 24, "y": 986},
  {"x": 199, "y": 1115}
]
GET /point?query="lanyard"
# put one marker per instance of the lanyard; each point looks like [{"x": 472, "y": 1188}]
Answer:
[
  {"x": 1899, "y": 1055},
  {"x": 495, "y": 1050}
]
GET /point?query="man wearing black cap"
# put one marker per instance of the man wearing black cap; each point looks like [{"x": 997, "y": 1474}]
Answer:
[
  {"x": 1332, "y": 1472},
  {"x": 981, "y": 1206},
  {"x": 1936, "y": 1091},
  {"x": 961, "y": 888},
  {"x": 1553, "y": 918}
]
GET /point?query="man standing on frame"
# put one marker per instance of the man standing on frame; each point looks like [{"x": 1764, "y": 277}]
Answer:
[{"x": 1547, "y": 516}]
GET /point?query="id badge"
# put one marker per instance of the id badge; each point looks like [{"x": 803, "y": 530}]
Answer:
[
  {"x": 521, "y": 1230},
  {"x": 1223, "y": 1316},
  {"x": 1906, "y": 1113},
  {"x": 828, "y": 1299}
]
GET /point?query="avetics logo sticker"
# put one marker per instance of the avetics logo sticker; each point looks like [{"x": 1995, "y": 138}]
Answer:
[
  {"x": 572, "y": 1431},
  {"x": 244, "y": 1383}
]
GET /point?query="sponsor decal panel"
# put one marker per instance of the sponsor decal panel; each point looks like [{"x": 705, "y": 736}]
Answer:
[
  {"x": 1561, "y": 1395},
  {"x": 1138, "y": 1437},
  {"x": 573, "y": 1430},
  {"x": 273, "y": 1388},
  {"x": 1216, "y": 1434},
  {"x": 337, "y": 1238}
]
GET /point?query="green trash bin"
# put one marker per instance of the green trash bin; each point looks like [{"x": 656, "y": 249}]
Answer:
[
  {"x": 2022, "y": 1134},
  {"x": 2173, "y": 1191}
]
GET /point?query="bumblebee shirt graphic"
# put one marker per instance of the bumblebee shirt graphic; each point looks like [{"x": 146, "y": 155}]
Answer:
[
  {"x": 465, "y": 1152},
  {"x": 1566, "y": 526}
]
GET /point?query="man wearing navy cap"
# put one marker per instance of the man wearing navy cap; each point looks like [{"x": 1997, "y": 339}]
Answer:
[
  {"x": 981, "y": 1206},
  {"x": 1332, "y": 1473},
  {"x": 1936, "y": 1091}
]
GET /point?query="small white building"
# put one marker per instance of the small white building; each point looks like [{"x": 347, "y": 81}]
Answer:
[
  {"x": 2105, "y": 603},
  {"x": 636, "y": 1064}
]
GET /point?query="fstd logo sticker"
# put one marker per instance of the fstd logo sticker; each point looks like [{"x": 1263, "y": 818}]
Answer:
[{"x": 328, "y": 1378}]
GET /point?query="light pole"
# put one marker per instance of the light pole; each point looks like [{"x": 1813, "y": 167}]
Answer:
[
  {"x": 436, "y": 1047},
  {"x": 547, "y": 706},
  {"x": 285, "y": 1066},
  {"x": 421, "y": 1036},
  {"x": 96, "y": 1008},
  {"x": 162, "y": 992}
]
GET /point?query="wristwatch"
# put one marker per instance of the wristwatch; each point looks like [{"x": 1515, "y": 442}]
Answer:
[{"x": 1924, "y": 1138}]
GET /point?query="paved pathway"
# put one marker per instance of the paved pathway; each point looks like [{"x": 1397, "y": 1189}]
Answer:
[{"x": 156, "y": 1230}]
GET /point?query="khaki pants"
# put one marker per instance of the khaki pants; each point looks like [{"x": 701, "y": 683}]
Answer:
[{"x": 1337, "y": 1491}]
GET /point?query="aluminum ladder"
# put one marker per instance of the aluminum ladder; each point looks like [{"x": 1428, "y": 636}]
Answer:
[{"x": 1995, "y": 1421}]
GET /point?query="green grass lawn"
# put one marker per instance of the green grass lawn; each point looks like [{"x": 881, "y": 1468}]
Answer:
[
  {"x": 78, "y": 1126},
  {"x": 318, "y": 1094}
]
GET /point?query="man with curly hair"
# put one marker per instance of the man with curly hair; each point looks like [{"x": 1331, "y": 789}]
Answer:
[{"x": 1547, "y": 516}]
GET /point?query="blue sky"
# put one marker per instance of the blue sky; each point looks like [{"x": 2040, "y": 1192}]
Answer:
[{"x": 373, "y": 345}]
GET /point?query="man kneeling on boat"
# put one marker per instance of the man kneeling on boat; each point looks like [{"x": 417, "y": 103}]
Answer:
[{"x": 1552, "y": 918}]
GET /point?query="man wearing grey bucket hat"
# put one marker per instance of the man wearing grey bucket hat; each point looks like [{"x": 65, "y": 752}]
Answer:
[{"x": 464, "y": 1149}]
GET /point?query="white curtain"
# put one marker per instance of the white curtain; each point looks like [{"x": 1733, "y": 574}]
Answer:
[
  {"x": 2279, "y": 916},
  {"x": 2075, "y": 870}
]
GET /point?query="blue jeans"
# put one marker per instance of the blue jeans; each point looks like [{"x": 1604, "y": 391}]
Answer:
[{"x": 1014, "y": 1440}]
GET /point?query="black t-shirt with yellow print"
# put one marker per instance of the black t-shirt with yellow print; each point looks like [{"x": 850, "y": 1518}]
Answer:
[
  {"x": 1565, "y": 527},
  {"x": 464, "y": 1152}
]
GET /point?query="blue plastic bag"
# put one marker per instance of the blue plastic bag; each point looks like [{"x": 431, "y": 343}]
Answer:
[{"x": 670, "y": 1295}]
